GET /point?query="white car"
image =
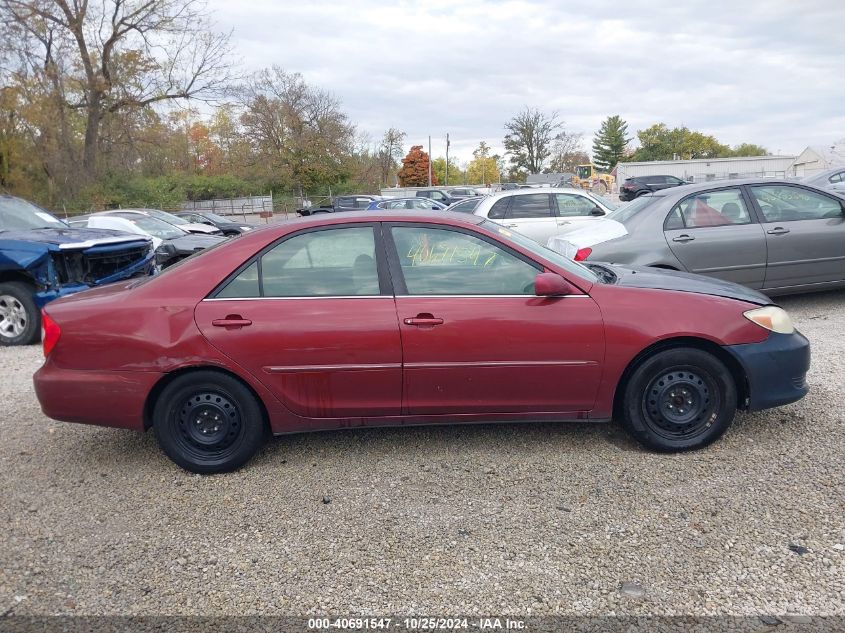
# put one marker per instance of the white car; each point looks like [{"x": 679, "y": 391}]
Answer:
[
  {"x": 182, "y": 223},
  {"x": 542, "y": 214}
]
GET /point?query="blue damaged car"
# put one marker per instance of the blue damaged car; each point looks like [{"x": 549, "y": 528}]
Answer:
[{"x": 42, "y": 258}]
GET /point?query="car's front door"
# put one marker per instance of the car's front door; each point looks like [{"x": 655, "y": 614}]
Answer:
[
  {"x": 476, "y": 339},
  {"x": 533, "y": 215},
  {"x": 313, "y": 318},
  {"x": 805, "y": 235},
  {"x": 713, "y": 233}
]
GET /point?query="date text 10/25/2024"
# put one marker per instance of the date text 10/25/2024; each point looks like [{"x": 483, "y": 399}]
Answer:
[{"x": 417, "y": 624}]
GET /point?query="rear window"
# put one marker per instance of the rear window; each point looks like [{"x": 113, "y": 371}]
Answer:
[{"x": 624, "y": 213}]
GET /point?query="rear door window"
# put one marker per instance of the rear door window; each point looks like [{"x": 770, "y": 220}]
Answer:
[
  {"x": 324, "y": 263},
  {"x": 709, "y": 208},
  {"x": 535, "y": 205}
]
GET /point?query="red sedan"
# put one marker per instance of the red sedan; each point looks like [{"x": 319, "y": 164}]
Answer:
[{"x": 368, "y": 319}]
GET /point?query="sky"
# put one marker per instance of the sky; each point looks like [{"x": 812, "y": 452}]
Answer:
[{"x": 766, "y": 72}]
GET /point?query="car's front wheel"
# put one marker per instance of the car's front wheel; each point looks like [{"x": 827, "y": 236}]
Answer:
[
  {"x": 208, "y": 422},
  {"x": 679, "y": 399},
  {"x": 20, "y": 319}
]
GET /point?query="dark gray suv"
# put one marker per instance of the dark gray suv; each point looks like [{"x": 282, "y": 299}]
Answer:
[{"x": 639, "y": 185}]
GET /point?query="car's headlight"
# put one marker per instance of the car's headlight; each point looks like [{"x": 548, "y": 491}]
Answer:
[
  {"x": 772, "y": 318},
  {"x": 246, "y": 228}
]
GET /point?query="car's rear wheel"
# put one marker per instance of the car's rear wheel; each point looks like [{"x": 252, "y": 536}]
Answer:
[
  {"x": 679, "y": 399},
  {"x": 20, "y": 319},
  {"x": 208, "y": 422}
]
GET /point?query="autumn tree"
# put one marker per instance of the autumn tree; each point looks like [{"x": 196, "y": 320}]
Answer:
[
  {"x": 483, "y": 167},
  {"x": 529, "y": 139},
  {"x": 297, "y": 132},
  {"x": 414, "y": 172},
  {"x": 610, "y": 142},
  {"x": 110, "y": 58}
]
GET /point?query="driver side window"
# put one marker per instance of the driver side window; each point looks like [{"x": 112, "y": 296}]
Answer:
[{"x": 437, "y": 261}]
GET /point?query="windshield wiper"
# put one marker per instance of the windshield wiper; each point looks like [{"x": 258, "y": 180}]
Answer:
[{"x": 606, "y": 275}]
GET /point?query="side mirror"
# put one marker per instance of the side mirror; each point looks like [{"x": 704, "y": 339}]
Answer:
[
  {"x": 596, "y": 211},
  {"x": 551, "y": 285}
]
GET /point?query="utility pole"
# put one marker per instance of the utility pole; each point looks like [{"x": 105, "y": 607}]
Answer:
[
  {"x": 429, "y": 161},
  {"x": 447, "y": 160}
]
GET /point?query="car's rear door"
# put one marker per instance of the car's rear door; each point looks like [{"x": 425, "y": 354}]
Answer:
[
  {"x": 313, "y": 318},
  {"x": 714, "y": 233},
  {"x": 533, "y": 215},
  {"x": 805, "y": 235},
  {"x": 476, "y": 339}
]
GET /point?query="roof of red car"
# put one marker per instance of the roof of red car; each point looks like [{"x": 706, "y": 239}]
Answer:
[{"x": 393, "y": 215}]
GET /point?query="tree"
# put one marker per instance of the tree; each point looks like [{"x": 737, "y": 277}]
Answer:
[
  {"x": 529, "y": 138},
  {"x": 483, "y": 168},
  {"x": 298, "y": 134},
  {"x": 438, "y": 168},
  {"x": 414, "y": 172},
  {"x": 659, "y": 142},
  {"x": 390, "y": 153},
  {"x": 111, "y": 57},
  {"x": 610, "y": 142},
  {"x": 749, "y": 149},
  {"x": 567, "y": 153}
]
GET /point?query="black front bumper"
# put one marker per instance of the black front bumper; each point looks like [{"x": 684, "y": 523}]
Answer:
[{"x": 776, "y": 369}]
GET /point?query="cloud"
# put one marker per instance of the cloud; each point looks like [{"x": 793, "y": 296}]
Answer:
[{"x": 766, "y": 72}]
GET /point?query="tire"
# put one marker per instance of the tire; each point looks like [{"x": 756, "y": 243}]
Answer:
[
  {"x": 208, "y": 422},
  {"x": 679, "y": 399},
  {"x": 20, "y": 318}
]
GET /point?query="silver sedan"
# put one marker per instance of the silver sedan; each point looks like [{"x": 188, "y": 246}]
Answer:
[{"x": 777, "y": 236}]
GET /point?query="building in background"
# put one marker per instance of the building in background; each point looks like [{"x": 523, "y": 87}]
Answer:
[
  {"x": 817, "y": 158},
  {"x": 704, "y": 169}
]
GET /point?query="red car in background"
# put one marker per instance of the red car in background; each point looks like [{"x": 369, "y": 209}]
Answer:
[{"x": 389, "y": 318}]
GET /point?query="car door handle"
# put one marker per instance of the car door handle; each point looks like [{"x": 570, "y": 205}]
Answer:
[
  {"x": 778, "y": 230},
  {"x": 512, "y": 226},
  {"x": 562, "y": 222},
  {"x": 231, "y": 321},
  {"x": 683, "y": 238},
  {"x": 424, "y": 319}
]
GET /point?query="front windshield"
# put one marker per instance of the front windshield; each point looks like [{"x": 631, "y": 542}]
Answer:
[
  {"x": 583, "y": 171},
  {"x": 155, "y": 227},
  {"x": 166, "y": 217},
  {"x": 607, "y": 204},
  {"x": 626, "y": 212},
  {"x": 216, "y": 218},
  {"x": 20, "y": 215},
  {"x": 540, "y": 250}
]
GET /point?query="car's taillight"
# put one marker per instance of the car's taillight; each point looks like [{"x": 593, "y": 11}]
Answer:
[
  {"x": 582, "y": 254},
  {"x": 50, "y": 333}
]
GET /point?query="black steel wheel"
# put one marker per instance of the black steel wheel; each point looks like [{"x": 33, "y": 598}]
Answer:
[
  {"x": 679, "y": 399},
  {"x": 208, "y": 422}
]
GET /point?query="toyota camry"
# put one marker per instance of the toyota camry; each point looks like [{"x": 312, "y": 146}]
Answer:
[{"x": 395, "y": 318}]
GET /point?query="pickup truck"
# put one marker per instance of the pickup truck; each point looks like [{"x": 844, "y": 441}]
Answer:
[{"x": 342, "y": 203}]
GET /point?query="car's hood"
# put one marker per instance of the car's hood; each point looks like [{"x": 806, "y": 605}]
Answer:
[
  {"x": 661, "y": 279},
  {"x": 576, "y": 235},
  {"x": 72, "y": 238},
  {"x": 196, "y": 227},
  {"x": 193, "y": 241}
]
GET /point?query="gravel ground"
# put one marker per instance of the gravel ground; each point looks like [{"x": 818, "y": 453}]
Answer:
[{"x": 509, "y": 519}]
